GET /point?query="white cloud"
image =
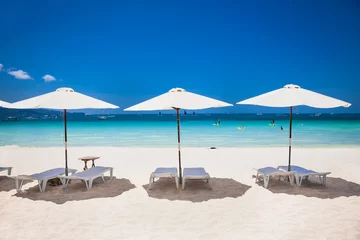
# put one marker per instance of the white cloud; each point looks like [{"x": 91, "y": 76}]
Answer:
[
  {"x": 1, "y": 67},
  {"x": 48, "y": 78},
  {"x": 20, "y": 74}
]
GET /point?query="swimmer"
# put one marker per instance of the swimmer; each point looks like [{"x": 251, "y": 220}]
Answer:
[{"x": 281, "y": 128}]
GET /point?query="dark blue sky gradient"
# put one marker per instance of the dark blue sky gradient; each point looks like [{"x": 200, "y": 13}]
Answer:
[{"x": 125, "y": 52}]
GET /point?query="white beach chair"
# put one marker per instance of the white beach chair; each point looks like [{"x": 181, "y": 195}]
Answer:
[
  {"x": 42, "y": 178},
  {"x": 87, "y": 176},
  {"x": 164, "y": 173},
  {"x": 267, "y": 172},
  {"x": 8, "y": 169},
  {"x": 195, "y": 173},
  {"x": 303, "y": 173}
]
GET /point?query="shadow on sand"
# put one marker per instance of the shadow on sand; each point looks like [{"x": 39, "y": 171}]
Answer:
[
  {"x": 197, "y": 190},
  {"x": 335, "y": 187},
  {"x": 77, "y": 191},
  {"x": 7, "y": 184}
]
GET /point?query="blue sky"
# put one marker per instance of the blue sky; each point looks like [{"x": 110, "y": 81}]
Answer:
[{"x": 125, "y": 52}]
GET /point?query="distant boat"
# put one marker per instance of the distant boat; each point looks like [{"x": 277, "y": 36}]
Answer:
[
  {"x": 87, "y": 114},
  {"x": 30, "y": 118},
  {"x": 259, "y": 114},
  {"x": 317, "y": 114},
  {"x": 102, "y": 117}
]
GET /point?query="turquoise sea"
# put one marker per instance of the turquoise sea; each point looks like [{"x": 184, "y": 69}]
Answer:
[{"x": 196, "y": 131}]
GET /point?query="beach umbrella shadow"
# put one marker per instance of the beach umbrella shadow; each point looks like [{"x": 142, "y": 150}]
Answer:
[
  {"x": 76, "y": 191},
  {"x": 335, "y": 187},
  {"x": 197, "y": 190},
  {"x": 7, "y": 184}
]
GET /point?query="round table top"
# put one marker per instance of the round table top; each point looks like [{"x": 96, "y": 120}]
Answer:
[{"x": 89, "y": 158}]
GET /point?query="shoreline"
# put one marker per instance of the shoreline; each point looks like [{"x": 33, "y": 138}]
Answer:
[{"x": 194, "y": 147}]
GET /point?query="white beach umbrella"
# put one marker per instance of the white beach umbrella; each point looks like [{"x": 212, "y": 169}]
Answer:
[
  {"x": 64, "y": 99},
  {"x": 2, "y": 103},
  {"x": 176, "y": 99},
  {"x": 291, "y": 96}
]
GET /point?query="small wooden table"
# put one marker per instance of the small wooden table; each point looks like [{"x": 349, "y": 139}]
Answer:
[{"x": 88, "y": 158}]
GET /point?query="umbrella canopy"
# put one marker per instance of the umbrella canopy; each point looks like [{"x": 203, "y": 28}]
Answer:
[
  {"x": 62, "y": 98},
  {"x": 178, "y": 98},
  {"x": 2, "y": 103},
  {"x": 293, "y": 95}
]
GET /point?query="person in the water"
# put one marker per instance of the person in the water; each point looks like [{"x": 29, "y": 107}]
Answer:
[
  {"x": 241, "y": 127},
  {"x": 218, "y": 122},
  {"x": 281, "y": 128}
]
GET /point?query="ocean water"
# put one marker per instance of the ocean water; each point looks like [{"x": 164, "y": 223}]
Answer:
[{"x": 196, "y": 131}]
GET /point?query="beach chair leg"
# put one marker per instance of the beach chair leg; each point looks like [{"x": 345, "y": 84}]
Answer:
[
  {"x": 111, "y": 173},
  {"x": 208, "y": 181},
  {"x": 9, "y": 170},
  {"x": 300, "y": 181},
  {"x": 266, "y": 181},
  {"x": 324, "y": 180},
  {"x": 321, "y": 181},
  {"x": 64, "y": 182},
  {"x": 87, "y": 185},
  {"x": 44, "y": 182},
  {"x": 90, "y": 183},
  {"x": 18, "y": 188},
  {"x": 291, "y": 177},
  {"x": 257, "y": 177},
  {"x": 150, "y": 182},
  {"x": 40, "y": 185},
  {"x": 183, "y": 183},
  {"x": 102, "y": 176}
]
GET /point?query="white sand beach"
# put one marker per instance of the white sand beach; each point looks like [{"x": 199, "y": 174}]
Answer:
[{"x": 236, "y": 207}]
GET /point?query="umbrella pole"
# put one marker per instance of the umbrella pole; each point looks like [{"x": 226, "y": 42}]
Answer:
[
  {"x": 290, "y": 135},
  {"x": 65, "y": 131},
  {"x": 178, "y": 128}
]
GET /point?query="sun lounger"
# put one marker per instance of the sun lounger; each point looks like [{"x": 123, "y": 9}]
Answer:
[
  {"x": 195, "y": 173},
  {"x": 42, "y": 177},
  {"x": 303, "y": 173},
  {"x": 164, "y": 173},
  {"x": 8, "y": 169},
  {"x": 87, "y": 176},
  {"x": 267, "y": 172}
]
